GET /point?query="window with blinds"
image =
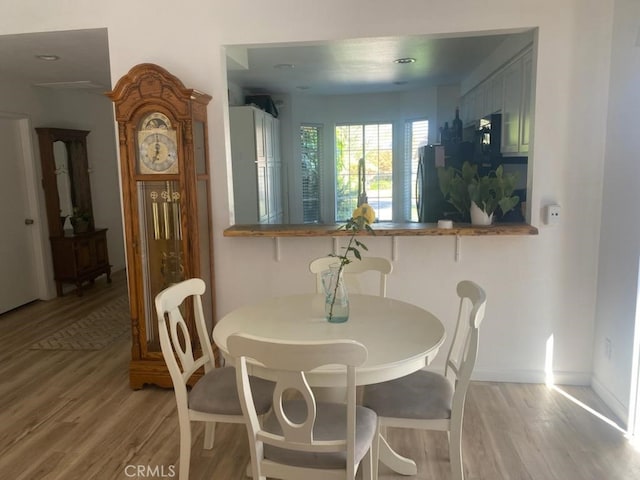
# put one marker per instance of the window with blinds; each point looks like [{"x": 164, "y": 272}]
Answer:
[
  {"x": 364, "y": 165},
  {"x": 311, "y": 154},
  {"x": 416, "y": 134}
]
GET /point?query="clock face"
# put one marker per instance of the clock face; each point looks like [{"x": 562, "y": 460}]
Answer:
[
  {"x": 157, "y": 148},
  {"x": 158, "y": 152}
]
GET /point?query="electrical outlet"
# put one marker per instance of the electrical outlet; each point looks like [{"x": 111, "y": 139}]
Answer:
[
  {"x": 552, "y": 214},
  {"x": 607, "y": 348}
]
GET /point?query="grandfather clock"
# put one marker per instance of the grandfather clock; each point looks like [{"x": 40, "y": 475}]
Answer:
[{"x": 162, "y": 128}]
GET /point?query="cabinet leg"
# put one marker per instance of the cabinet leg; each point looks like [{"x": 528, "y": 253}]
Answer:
[
  {"x": 59, "y": 291},
  {"x": 79, "y": 289}
]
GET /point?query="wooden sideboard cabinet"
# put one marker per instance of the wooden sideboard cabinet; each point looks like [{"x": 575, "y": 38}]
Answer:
[{"x": 79, "y": 258}]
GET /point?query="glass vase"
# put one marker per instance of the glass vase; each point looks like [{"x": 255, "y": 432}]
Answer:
[{"x": 336, "y": 304}]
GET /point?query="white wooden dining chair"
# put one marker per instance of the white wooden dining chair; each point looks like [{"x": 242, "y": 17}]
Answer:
[
  {"x": 352, "y": 271},
  {"x": 214, "y": 397},
  {"x": 303, "y": 438},
  {"x": 428, "y": 400}
]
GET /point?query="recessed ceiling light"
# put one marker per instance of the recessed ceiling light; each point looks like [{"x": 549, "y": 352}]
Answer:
[
  {"x": 284, "y": 66},
  {"x": 405, "y": 60},
  {"x": 48, "y": 58}
]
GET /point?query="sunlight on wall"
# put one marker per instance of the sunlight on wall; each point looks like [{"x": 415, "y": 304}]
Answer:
[{"x": 548, "y": 362}]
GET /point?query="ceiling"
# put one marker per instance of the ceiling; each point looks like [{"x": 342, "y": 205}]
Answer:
[
  {"x": 363, "y": 65},
  {"x": 337, "y": 67},
  {"x": 83, "y": 59}
]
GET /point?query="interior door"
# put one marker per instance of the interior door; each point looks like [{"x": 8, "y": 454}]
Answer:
[{"x": 17, "y": 266}]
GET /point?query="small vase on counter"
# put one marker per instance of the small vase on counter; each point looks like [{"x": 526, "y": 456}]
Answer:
[{"x": 479, "y": 216}]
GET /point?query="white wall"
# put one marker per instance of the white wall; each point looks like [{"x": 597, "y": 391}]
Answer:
[
  {"x": 537, "y": 286},
  {"x": 77, "y": 110},
  {"x": 620, "y": 239},
  {"x": 93, "y": 111}
]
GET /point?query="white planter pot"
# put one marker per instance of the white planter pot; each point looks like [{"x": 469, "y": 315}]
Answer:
[{"x": 478, "y": 216}]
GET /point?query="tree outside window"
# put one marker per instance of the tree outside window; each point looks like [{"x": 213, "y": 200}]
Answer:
[{"x": 373, "y": 145}]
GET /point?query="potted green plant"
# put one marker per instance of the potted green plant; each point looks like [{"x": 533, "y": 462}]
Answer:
[
  {"x": 80, "y": 220},
  {"x": 475, "y": 196}
]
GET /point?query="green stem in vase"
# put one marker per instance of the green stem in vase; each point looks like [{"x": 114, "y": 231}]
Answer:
[
  {"x": 360, "y": 220},
  {"x": 343, "y": 261}
]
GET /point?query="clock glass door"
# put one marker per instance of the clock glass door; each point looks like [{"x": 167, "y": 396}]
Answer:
[{"x": 161, "y": 245}]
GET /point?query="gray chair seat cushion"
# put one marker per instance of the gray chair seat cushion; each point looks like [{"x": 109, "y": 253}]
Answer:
[
  {"x": 421, "y": 395},
  {"x": 216, "y": 392},
  {"x": 331, "y": 424}
]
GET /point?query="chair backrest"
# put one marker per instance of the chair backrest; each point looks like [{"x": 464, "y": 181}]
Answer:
[
  {"x": 463, "y": 351},
  {"x": 288, "y": 362},
  {"x": 175, "y": 340},
  {"x": 352, "y": 271}
]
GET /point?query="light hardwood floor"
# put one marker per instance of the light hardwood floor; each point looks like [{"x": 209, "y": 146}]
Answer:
[{"x": 71, "y": 415}]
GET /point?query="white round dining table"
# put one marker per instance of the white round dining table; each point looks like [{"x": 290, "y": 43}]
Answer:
[{"x": 401, "y": 338}]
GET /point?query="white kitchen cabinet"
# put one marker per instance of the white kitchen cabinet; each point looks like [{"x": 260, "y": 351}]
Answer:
[
  {"x": 274, "y": 170},
  {"x": 487, "y": 99},
  {"x": 472, "y": 104},
  {"x": 527, "y": 92},
  {"x": 479, "y": 100},
  {"x": 516, "y": 110},
  {"x": 496, "y": 86},
  {"x": 255, "y": 153},
  {"x": 511, "y": 107},
  {"x": 509, "y": 92}
]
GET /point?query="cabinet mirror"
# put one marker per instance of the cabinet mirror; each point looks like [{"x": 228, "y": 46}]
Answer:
[
  {"x": 64, "y": 181},
  {"x": 374, "y": 101},
  {"x": 65, "y": 175}
]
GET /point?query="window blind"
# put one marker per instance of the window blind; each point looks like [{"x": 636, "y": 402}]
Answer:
[{"x": 311, "y": 155}]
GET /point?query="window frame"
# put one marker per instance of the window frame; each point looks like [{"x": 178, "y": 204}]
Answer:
[{"x": 363, "y": 153}]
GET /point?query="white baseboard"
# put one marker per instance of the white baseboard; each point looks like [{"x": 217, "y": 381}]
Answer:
[{"x": 532, "y": 376}]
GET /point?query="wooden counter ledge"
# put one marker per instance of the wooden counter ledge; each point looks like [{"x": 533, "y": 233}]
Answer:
[{"x": 382, "y": 229}]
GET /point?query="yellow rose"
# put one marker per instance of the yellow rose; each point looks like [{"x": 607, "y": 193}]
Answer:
[{"x": 365, "y": 211}]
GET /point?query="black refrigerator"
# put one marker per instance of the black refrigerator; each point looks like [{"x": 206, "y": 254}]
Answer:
[
  {"x": 431, "y": 204},
  {"x": 430, "y": 201}
]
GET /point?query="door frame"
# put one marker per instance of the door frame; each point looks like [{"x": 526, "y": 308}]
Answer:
[
  {"x": 45, "y": 287},
  {"x": 633, "y": 424}
]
